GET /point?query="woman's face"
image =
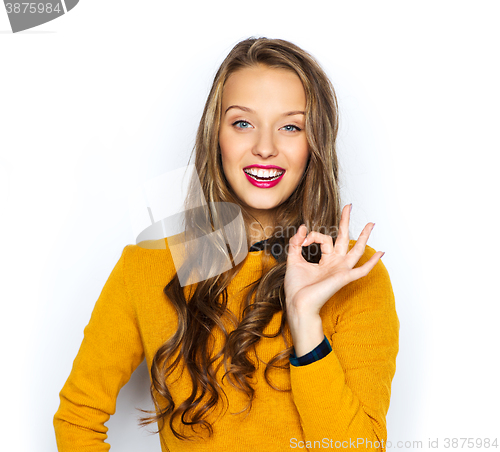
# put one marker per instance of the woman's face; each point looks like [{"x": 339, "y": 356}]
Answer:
[{"x": 261, "y": 136}]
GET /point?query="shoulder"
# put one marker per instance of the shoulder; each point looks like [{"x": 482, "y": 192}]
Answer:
[
  {"x": 147, "y": 249},
  {"x": 149, "y": 261}
]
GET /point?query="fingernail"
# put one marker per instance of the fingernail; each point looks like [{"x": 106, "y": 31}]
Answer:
[
  {"x": 382, "y": 255},
  {"x": 350, "y": 208}
]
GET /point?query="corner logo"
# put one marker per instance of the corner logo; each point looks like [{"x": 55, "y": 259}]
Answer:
[{"x": 24, "y": 15}]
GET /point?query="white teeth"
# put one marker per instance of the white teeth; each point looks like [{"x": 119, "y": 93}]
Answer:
[{"x": 263, "y": 173}]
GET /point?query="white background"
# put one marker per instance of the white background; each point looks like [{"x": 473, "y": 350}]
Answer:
[{"x": 110, "y": 95}]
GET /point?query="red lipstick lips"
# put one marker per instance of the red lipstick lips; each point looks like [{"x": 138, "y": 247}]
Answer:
[{"x": 264, "y": 180}]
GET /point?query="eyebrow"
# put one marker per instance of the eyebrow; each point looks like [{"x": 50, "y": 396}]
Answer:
[{"x": 249, "y": 110}]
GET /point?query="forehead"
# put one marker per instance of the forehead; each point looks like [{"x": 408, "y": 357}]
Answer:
[{"x": 259, "y": 85}]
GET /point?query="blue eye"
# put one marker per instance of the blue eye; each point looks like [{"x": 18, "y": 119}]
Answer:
[
  {"x": 291, "y": 130},
  {"x": 241, "y": 122}
]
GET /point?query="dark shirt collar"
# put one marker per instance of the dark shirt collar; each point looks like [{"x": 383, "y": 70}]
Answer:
[{"x": 261, "y": 245}]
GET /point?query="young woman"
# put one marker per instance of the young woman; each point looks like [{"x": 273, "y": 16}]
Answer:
[{"x": 293, "y": 347}]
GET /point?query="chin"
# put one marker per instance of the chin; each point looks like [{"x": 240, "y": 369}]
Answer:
[{"x": 262, "y": 205}]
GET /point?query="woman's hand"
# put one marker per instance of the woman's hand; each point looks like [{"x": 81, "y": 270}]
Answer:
[{"x": 309, "y": 286}]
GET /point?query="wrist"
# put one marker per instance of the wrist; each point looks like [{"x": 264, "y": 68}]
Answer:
[{"x": 307, "y": 333}]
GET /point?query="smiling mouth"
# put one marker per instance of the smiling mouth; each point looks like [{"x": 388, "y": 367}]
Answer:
[{"x": 261, "y": 175}]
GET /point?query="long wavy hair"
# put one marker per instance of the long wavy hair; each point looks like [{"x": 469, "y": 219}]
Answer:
[{"x": 315, "y": 202}]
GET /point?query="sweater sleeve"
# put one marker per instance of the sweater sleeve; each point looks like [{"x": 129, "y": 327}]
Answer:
[
  {"x": 110, "y": 352},
  {"x": 316, "y": 354},
  {"x": 345, "y": 395}
]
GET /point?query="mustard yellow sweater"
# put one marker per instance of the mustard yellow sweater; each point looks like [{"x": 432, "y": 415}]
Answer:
[{"x": 338, "y": 402}]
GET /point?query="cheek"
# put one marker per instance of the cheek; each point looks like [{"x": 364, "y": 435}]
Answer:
[
  {"x": 231, "y": 148},
  {"x": 226, "y": 167},
  {"x": 302, "y": 153},
  {"x": 226, "y": 158},
  {"x": 223, "y": 146}
]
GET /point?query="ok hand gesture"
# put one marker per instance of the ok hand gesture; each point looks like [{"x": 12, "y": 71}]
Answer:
[{"x": 309, "y": 286}]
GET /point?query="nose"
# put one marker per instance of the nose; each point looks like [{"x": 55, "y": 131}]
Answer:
[{"x": 265, "y": 145}]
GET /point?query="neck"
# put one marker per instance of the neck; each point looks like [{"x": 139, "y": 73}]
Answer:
[{"x": 260, "y": 229}]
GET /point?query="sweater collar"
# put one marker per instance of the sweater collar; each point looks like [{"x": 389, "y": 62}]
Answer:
[{"x": 258, "y": 246}]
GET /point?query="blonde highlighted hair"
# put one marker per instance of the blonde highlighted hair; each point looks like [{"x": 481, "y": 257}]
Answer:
[{"x": 315, "y": 202}]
